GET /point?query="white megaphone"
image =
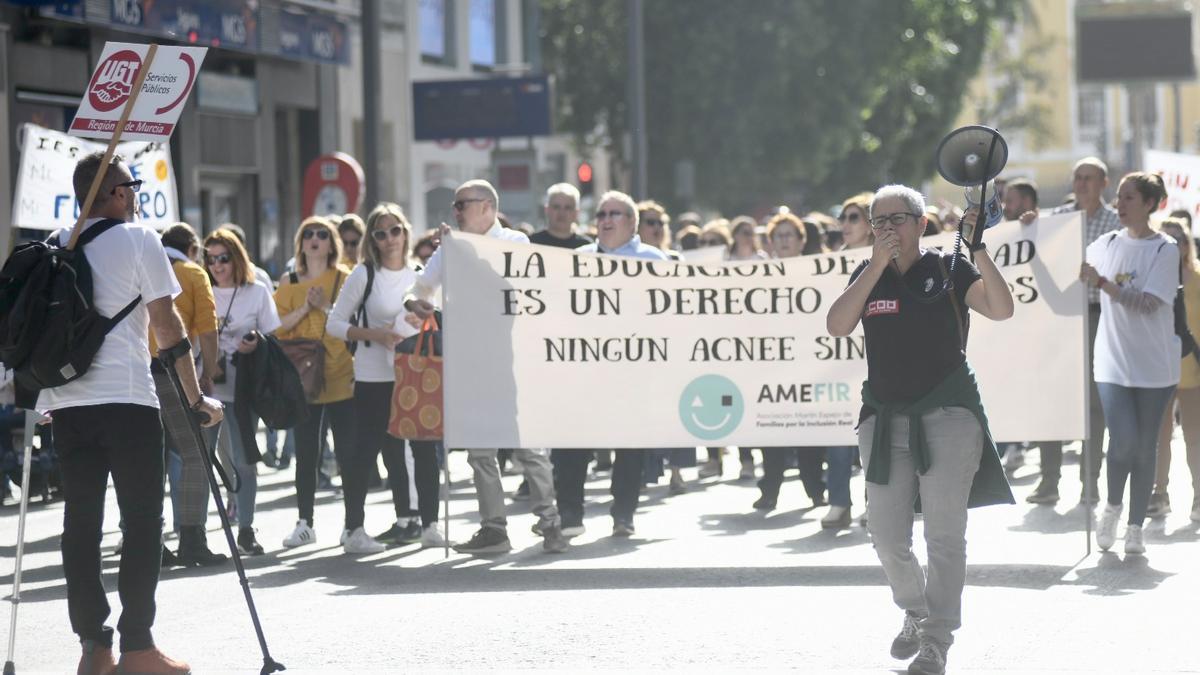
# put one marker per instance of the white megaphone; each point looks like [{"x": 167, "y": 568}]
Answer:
[{"x": 992, "y": 213}]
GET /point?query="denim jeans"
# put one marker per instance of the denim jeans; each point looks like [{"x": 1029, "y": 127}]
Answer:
[
  {"x": 955, "y": 443},
  {"x": 840, "y": 460},
  {"x": 1134, "y": 415},
  {"x": 232, "y": 451}
]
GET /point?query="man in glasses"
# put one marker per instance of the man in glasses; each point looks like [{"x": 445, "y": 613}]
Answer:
[
  {"x": 107, "y": 422},
  {"x": 562, "y": 217},
  {"x": 616, "y": 225},
  {"x": 476, "y": 205}
]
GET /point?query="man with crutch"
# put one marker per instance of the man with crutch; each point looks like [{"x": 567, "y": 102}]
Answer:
[{"x": 107, "y": 422}]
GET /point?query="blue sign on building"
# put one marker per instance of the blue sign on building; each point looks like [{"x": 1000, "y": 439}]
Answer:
[
  {"x": 485, "y": 108},
  {"x": 313, "y": 37},
  {"x": 215, "y": 23}
]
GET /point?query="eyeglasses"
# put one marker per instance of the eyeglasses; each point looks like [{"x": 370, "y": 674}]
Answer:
[
  {"x": 650, "y": 222},
  {"x": 134, "y": 185},
  {"x": 219, "y": 259},
  {"x": 848, "y": 217},
  {"x": 460, "y": 204},
  {"x": 614, "y": 214},
  {"x": 395, "y": 232},
  {"x": 350, "y": 243},
  {"x": 896, "y": 219},
  {"x": 711, "y": 242},
  {"x": 319, "y": 234}
]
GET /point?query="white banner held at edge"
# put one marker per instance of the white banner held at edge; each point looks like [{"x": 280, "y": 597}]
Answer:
[
  {"x": 550, "y": 348},
  {"x": 1181, "y": 174}
]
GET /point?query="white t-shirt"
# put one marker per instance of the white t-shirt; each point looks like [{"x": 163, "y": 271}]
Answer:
[
  {"x": 1134, "y": 348},
  {"x": 385, "y": 309},
  {"x": 253, "y": 309},
  {"x": 127, "y": 261}
]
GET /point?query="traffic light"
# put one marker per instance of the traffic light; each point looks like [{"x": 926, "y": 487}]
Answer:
[{"x": 587, "y": 183}]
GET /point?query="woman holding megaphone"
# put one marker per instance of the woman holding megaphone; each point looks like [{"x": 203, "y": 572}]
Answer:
[{"x": 923, "y": 435}]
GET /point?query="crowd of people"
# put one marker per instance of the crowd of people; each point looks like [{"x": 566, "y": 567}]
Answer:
[{"x": 359, "y": 287}]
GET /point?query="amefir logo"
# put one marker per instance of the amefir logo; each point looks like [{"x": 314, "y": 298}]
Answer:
[
  {"x": 113, "y": 82},
  {"x": 711, "y": 407},
  {"x": 809, "y": 392}
]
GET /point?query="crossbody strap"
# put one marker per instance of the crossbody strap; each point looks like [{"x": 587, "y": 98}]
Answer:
[
  {"x": 337, "y": 286},
  {"x": 958, "y": 315}
]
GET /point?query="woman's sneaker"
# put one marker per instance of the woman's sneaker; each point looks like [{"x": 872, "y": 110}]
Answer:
[
  {"x": 431, "y": 537},
  {"x": 247, "y": 543},
  {"x": 1134, "y": 545},
  {"x": 303, "y": 534},
  {"x": 931, "y": 660},
  {"x": 404, "y": 531},
  {"x": 1160, "y": 505},
  {"x": 358, "y": 542},
  {"x": 1106, "y": 533}
]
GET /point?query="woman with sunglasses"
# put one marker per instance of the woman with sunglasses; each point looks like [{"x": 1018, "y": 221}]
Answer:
[
  {"x": 922, "y": 432},
  {"x": 244, "y": 308},
  {"x": 370, "y": 312},
  {"x": 745, "y": 240},
  {"x": 856, "y": 231},
  {"x": 1188, "y": 393},
  {"x": 303, "y": 301}
]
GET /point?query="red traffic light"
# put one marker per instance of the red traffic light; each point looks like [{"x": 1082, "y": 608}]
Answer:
[{"x": 584, "y": 172}]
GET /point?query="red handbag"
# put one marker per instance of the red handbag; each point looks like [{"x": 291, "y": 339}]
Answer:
[{"x": 417, "y": 397}]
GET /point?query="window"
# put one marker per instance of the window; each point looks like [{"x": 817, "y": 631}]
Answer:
[
  {"x": 1091, "y": 115},
  {"x": 488, "y": 29},
  {"x": 435, "y": 19}
]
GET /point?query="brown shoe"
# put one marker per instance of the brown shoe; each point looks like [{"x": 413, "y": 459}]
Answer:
[
  {"x": 151, "y": 662},
  {"x": 97, "y": 659}
]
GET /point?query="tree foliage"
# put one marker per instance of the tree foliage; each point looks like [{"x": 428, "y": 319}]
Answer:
[{"x": 775, "y": 101}]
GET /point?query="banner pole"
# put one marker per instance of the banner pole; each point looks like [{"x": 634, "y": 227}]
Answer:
[{"x": 86, "y": 207}]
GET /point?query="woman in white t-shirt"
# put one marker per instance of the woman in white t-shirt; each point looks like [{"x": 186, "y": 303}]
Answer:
[
  {"x": 376, "y": 331},
  {"x": 244, "y": 307},
  {"x": 1136, "y": 358}
]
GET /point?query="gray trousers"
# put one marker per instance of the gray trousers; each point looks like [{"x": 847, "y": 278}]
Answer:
[
  {"x": 955, "y": 443},
  {"x": 489, "y": 491},
  {"x": 191, "y": 493}
]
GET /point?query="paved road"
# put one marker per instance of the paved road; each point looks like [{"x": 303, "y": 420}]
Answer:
[{"x": 708, "y": 585}]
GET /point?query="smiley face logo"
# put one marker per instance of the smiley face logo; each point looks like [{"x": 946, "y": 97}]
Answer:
[{"x": 711, "y": 407}]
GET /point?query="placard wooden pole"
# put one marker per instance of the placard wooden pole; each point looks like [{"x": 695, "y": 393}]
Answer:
[{"x": 112, "y": 146}]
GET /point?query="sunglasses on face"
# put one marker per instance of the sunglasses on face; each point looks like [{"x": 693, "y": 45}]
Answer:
[
  {"x": 649, "y": 222},
  {"x": 711, "y": 242},
  {"x": 134, "y": 185},
  {"x": 848, "y": 217},
  {"x": 395, "y": 232},
  {"x": 460, "y": 204},
  {"x": 219, "y": 259},
  {"x": 319, "y": 234},
  {"x": 350, "y": 243},
  {"x": 601, "y": 215}
]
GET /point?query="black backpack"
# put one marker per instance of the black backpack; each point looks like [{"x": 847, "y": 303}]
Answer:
[
  {"x": 49, "y": 329},
  {"x": 359, "y": 318}
]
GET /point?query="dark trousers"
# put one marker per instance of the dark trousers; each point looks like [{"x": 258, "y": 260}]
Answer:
[
  {"x": 340, "y": 417},
  {"x": 626, "y": 483},
  {"x": 775, "y": 462},
  {"x": 372, "y": 407},
  {"x": 1089, "y": 464},
  {"x": 127, "y": 441},
  {"x": 570, "y": 474}
]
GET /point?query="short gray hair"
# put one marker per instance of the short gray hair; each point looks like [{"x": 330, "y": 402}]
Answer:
[
  {"x": 482, "y": 186},
  {"x": 912, "y": 198},
  {"x": 1094, "y": 162},
  {"x": 626, "y": 201},
  {"x": 564, "y": 189}
]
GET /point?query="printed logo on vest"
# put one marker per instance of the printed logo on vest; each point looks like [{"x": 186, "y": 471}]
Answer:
[{"x": 877, "y": 307}]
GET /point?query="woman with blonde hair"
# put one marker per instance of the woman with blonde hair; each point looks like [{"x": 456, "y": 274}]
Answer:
[
  {"x": 244, "y": 309},
  {"x": 716, "y": 233},
  {"x": 370, "y": 313},
  {"x": 1187, "y": 396},
  {"x": 745, "y": 240},
  {"x": 856, "y": 228},
  {"x": 303, "y": 300}
]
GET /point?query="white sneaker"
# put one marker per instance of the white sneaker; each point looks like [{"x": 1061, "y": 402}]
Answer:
[
  {"x": 1134, "y": 545},
  {"x": 838, "y": 518},
  {"x": 573, "y": 531},
  {"x": 1106, "y": 533},
  {"x": 431, "y": 537},
  {"x": 303, "y": 534},
  {"x": 358, "y": 542}
]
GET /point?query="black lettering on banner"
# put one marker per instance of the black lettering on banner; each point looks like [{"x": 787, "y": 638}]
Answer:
[
  {"x": 851, "y": 348},
  {"x": 632, "y": 349},
  {"x": 606, "y": 301},
  {"x": 1024, "y": 290},
  {"x": 780, "y": 395},
  {"x": 743, "y": 349},
  {"x": 842, "y": 264},
  {"x": 1015, "y": 253},
  {"x": 534, "y": 267},
  {"x": 533, "y": 304}
]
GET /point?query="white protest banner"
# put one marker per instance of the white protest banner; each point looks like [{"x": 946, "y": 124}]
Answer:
[
  {"x": 551, "y": 348},
  {"x": 157, "y": 106},
  {"x": 45, "y": 198},
  {"x": 1181, "y": 174}
]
